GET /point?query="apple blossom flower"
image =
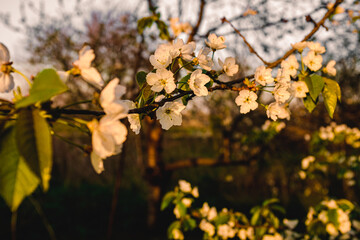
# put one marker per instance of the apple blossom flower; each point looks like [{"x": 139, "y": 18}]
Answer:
[
  {"x": 313, "y": 61},
  {"x": 212, "y": 214},
  {"x": 6, "y": 79},
  {"x": 316, "y": 47},
  {"x": 247, "y": 101},
  {"x": 299, "y": 89},
  {"x": 195, "y": 192},
  {"x": 178, "y": 27},
  {"x": 229, "y": 66},
  {"x": 283, "y": 76},
  {"x": 305, "y": 162},
  {"x": 83, "y": 64},
  {"x": 225, "y": 231},
  {"x": 224, "y": 78},
  {"x": 329, "y": 69},
  {"x": 263, "y": 75},
  {"x": 207, "y": 227},
  {"x": 162, "y": 79},
  {"x": 331, "y": 229},
  {"x": 215, "y": 42},
  {"x": 161, "y": 58},
  {"x": 299, "y": 46},
  {"x": 290, "y": 65},
  {"x": 134, "y": 119},
  {"x": 187, "y": 202},
  {"x": 185, "y": 186},
  {"x": 197, "y": 83},
  {"x": 179, "y": 48},
  {"x": 170, "y": 114},
  {"x": 281, "y": 93},
  {"x": 108, "y": 135},
  {"x": 177, "y": 234},
  {"x": 275, "y": 111},
  {"x": 110, "y": 99},
  {"x": 204, "y": 59}
]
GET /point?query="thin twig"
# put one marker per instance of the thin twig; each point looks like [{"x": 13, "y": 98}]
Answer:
[
  {"x": 41, "y": 213},
  {"x": 196, "y": 28},
  {"x": 251, "y": 49}
]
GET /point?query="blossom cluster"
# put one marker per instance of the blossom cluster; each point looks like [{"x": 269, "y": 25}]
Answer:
[
  {"x": 334, "y": 216},
  {"x": 337, "y": 133},
  {"x": 224, "y": 224}
]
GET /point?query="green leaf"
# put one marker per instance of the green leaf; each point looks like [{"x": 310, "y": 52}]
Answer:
[
  {"x": 274, "y": 220},
  {"x": 334, "y": 86},
  {"x": 333, "y": 217},
  {"x": 141, "y": 78},
  {"x": 16, "y": 179},
  {"x": 168, "y": 198},
  {"x": 270, "y": 201},
  {"x": 182, "y": 209},
  {"x": 189, "y": 224},
  {"x": 34, "y": 143},
  {"x": 315, "y": 84},
  {"x": 46, "y": 85},
  {"x": 221, "y": 219},
  {"x": 143, "y": 23},
  {"x": 330, "y": 100},
  {"x": 345, "y": 204},
  {"x": 163, "y": 28},
  {"x": 255, "y": 217},
  {"x": 309, "y": 103}
]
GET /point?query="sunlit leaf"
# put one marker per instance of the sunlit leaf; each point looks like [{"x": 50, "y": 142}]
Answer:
[
  {"x": 34, "y": 143},
  {"x": 46, "y": 85},
  {"x": 16, "y": 179},
  {"x": 309, "y": 103},
  {"x": 315, "y": 84}
]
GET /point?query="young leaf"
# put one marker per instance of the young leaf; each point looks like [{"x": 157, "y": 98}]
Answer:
[
  {"x": 309, "y": 103},
  {"x": 168, "y": 198},
  {"x": 330, "y": 99},
  {"x": 334, "y": 86},
  {"x": 16, "y": 179},
  {"x": 141, "y": 78},
  {"x": 46, "y": 85},
  {"x": 33, "y": 140},
  {"x": 315, "y": 84}
]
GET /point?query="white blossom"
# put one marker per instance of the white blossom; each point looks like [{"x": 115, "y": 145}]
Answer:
[
  {"x": 313, "y": 61},
  {"x": 316, "y": 47},
  {"x": 225, "y": 231},
  {"x": 281, "y": 93},
  {"x": 247, "y": 101},
  {"x": 161, "y": 58},
  {"x": 331, "y": 229},
  {"x": 110, "y": 99},
  {"x": 299, "y": 89},
  {"x": 212, "y": 214},
  {"x": 283, "y": 76},
  {"x": 229, "y": 66},
  {"x": 134, "y": 119},
  {"x": 195, "y": 192},
  {"x": 162, "y": 79},
  {"x": 178, "y": 27},
  {"x": 204, "y": 59},
  {"x": 207, "y": 227},
  {"x": 177, "y": 234},
  {"x": 6, "y": 79},
  {"x": 305, "y": 162},
  {"x": 197, "y": 83},
  {"x": 275, "y": 111},
  {"x": 170, "y": 114},
  {"x": 263, "y": 75},
  {"x": 299, "y": 46},
  {"x": 290, "y": 65},
  {"x": 185, "y": 186},
  {"x": 187, "y": 202},
  {"x": 108, "y": 135},
  {"x": 88, "y": 73},
  {"x": 215, "y": 42},
  {"x": 330, "y": 69}
]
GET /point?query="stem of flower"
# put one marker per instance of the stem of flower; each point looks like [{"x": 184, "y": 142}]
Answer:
[
  {"x": 76, "y": 103},
  {"x": 21, "y": 74}
]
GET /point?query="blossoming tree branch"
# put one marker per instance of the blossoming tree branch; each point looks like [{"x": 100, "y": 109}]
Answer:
[{"x": 181, "y": 71}]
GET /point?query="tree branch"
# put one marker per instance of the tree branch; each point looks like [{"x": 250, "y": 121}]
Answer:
[{"x": 196, "y": 28}]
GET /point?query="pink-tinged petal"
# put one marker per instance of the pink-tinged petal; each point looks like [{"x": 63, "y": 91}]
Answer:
[
  {"x": 6, "y": 82},
  {"x": 97, "y": 162},
  {"x": 4, "y": 54},
  {"x": 86, "y": 56},
  {"x": 92, "y": 76}
]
